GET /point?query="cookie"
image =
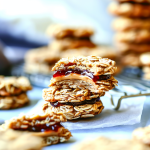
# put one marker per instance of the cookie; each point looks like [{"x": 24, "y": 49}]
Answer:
[
  {"x": 73, "y": 112},
  {"x": 132, "y": 47},
  {"x": 41, "y": 68},
  {"x": 130, "y": 9},
  {"x": 94, "y": 64},
  {"x": 104, "y": 143},
  {"x": 11, "y": 102},
  {"x": 42, "y": 55},
  {"x": 142, "y": 135},
  {"x": 60, "y": 32},
  {"x": 15, "y": 140},
  {"x": 127, "y": 24},
  {"x": 64, "y": 44},
  {"x": 46, "y": 126},
  {"x": 76, "y": 96},
  {"x": 131, "y": 59},
  {"x": 145, "y": 59},
  {"x": 146, "y": 71},
  {"x": 133, "y": 36},
  {"x": 13, "y": 85}
]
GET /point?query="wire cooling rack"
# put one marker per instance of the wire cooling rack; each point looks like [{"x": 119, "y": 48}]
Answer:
[{"x": 130, "y": 77}]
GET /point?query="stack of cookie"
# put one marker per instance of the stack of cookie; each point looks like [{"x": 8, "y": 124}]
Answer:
[
  {"x": 67, "y": 42},
  {"x": 70, "y": 38},
  {"x": 133, "y": 29},
  {"x": 77, "y": 85},
  {"x": 13, "y": 92}
]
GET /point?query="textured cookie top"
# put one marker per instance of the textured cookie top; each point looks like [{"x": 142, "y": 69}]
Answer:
[
  {"x": 43, "y": 54},
  {"x": 136, "y": 36},
  {"x": 59, "y": 32},
  {"x": 145, "y": 58},
  {"x": 103, "y": 143},
  {"x": 13, "y": 85},
  {"x": 142, "y": 135},
  {"x": 15, "y": 140},
  {"x": 25, "y": 121},
  {"x": 130, "y": 9},
  {"x": 94, "y": 64},
  {"x": 124, "y": 24}
]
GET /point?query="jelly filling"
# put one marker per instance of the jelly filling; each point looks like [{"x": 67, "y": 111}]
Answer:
[
  {"x": 40, "y": 128},
  {"x": 81, "y": 72},
  {"x": 92, "y": 101}
]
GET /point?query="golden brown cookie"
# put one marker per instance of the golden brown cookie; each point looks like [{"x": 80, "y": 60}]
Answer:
[
  {"x": 104, "y": 143},
  {"x": 60, "y": 32},
  {"x": 11, "y": 102},
  {"x": 146, "y": 71},
  {"x": 74, "y": 112},
  {"x": 13, "y": 85},
  {"x": 145, "y": 59},
  {"x": 132, "y": 47},
  {"x": 15, "y": 140},
  {"x": 68, "y": 43},
  {"x": 127, "y": 24},
  {"x": 130, "y": 9},
  {"x": 131, "y": 59},
  {"x": 76, "y": 96},
  {"x": 42, "y": 55},
  {"x": 42, "y": 68},
  {"x": 95, "y": 64},
  {"x": 136, "y": 36},
  {"x": 92, "y": 72},
  {"x": 46, "y": 126},
  {"x": 142, "y": 135}
]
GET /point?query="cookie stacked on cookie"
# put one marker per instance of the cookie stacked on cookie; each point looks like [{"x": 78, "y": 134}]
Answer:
[
  {"x": 13, "y": 92},
  {"x": 132, "y": 27},
  {"x": 77, "y": 85}
]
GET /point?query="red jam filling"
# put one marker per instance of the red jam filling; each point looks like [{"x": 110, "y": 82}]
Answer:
[
  {"x": 40, "y": 128},
  {"x": 66, "y": 72},
  {"x": 93, "y": 101}
]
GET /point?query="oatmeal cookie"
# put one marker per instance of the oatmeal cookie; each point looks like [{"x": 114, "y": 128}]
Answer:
[
  {"x": 136, "y": 36},
  {"x": 74, "y": 112},
  {"x": 64, "y": 44},
  {"x": 145, "y": 59},
  {"x": 108, "y": 83},
  {"x": 104, "y": 143},
  {"x": 15, "y": 140},
  {"x": 94, "y": 64},
  {"x": 142, "y": 135},
  {"x": 13, "y": 85},
  {"x": 146, "y": 70},
  {"x": 127, "y": 24},
  {"x": 65, "y": 95},
  {"x": 130, "y": 9},
  {"x": 133, "y": 47},
  {"x": 43, "y": 68},
  {"x": 46, "y": 126},
  {"x": 11, "y": 102},
  {"x": 60, "y": 32},
  {"x": 131, "y": 59},
  {"x": 42, "y": 55}
]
